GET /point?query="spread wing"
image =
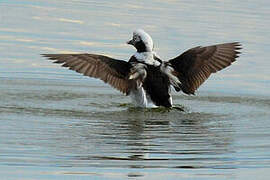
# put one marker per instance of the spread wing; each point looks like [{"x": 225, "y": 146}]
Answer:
[
  {"x": 195, "y": 65},
  {"x": 112, "y": 71}
]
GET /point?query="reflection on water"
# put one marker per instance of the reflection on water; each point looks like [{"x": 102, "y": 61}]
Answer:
[
  {"x": 56, "y": 124},
  {"x": 94, "y": 131},
  {"x": 161, "y": 140}
]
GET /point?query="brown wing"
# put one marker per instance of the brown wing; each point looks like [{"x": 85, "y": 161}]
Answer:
[
  {"x": 195, "y": 65},
  {"x": 109, "y": 70}
]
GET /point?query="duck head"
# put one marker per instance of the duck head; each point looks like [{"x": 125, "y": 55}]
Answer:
[{"x": 141, "y": 41}]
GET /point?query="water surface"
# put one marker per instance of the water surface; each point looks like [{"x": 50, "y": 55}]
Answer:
[{"x": 56, "y": 124}]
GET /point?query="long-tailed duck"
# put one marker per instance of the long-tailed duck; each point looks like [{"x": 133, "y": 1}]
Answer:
[{"x": 147, "y": 78}]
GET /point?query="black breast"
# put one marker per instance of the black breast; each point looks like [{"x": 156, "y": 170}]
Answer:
[{"x": 157, "y": 86}]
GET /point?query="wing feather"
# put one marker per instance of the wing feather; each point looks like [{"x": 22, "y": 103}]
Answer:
[
  {"x": 195, "y": 65},
  {"x": 112, "y": 71}
]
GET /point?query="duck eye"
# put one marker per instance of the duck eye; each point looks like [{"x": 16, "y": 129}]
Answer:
[{"x": 136, "y": 38}]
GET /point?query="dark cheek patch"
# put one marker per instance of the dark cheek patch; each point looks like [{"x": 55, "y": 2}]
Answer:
[{"x": 140, "y": 46}]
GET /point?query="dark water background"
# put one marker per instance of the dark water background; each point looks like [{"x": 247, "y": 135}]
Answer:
[{"x": 56, "y": 124}]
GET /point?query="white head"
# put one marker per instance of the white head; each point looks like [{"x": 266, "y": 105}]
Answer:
[{"x": 141, "y": 41}]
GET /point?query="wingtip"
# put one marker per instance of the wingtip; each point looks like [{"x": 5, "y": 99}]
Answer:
[
  {"x": 44, "y": 55},
  {"x": 238, "y": 45},
  {"x": 49, "y": 56},
  {"x": 237, "y": 42}
]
